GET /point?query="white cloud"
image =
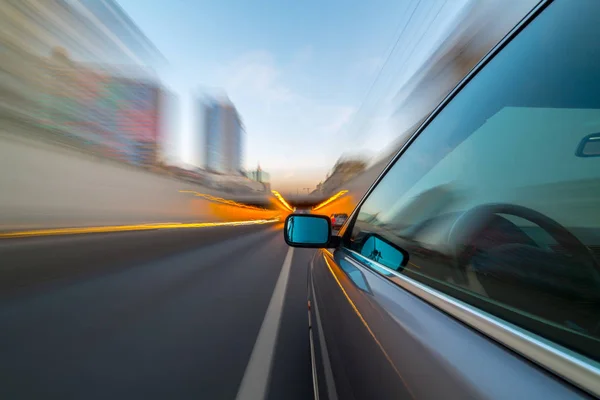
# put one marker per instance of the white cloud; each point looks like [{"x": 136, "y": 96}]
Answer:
[
  {"x": 255, "y": 74},
  {"x": 255, "y": 79},
  {"x": 287, "y": 131},
  {"x": 338, "y": 118}
]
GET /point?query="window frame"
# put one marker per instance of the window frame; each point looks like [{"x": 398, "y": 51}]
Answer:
[{"x": 578, "y": 370}]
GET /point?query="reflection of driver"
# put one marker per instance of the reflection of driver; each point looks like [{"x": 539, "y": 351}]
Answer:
[
  {"x": 291, "y": 228},
  {"x": 375, "y": 254}
]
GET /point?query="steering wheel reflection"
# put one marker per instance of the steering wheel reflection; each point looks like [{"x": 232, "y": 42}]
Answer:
[{"x": 563, "y": 286}]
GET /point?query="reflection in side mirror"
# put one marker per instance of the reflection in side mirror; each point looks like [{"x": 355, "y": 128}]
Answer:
[
  {"x": 307, "y": 230},
  {"x": 380, "y": 250}
]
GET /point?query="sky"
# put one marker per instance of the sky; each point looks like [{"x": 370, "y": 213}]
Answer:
[{"x": 311, "y": 79}]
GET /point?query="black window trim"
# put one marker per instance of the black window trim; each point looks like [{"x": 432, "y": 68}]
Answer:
[{"x": 583, "y": 372}]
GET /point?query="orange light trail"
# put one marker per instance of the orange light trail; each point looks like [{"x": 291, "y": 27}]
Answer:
[
  {"x": 329, "y": 200},
  {"x": 282, "y": 200},
  {"x": 129, "y": 228},
  {"x": 224, "y": 201}
]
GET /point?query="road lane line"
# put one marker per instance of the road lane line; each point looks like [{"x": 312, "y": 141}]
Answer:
[
  {"x": 258, "y": 371},
  {"x": 329, "y": 381}
]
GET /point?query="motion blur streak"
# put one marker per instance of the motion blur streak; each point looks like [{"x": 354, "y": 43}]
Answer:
[
  {"x": 331, "y": 199},
  {"x": 128, "y": 228},
  {"x": 221, "y": 200},
  {"x": 282, "y": 200}
]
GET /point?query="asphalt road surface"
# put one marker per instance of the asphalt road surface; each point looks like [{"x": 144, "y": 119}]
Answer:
[{"x": 157, "y": 314}]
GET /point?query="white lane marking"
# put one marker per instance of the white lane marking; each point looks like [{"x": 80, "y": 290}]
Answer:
[
  {"x": 329, "y": 381},
  {"x": 258, "y": 371},
  {"x": 313, "y": 359}
]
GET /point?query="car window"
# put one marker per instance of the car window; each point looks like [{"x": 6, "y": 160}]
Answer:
[{"x": 496, "y": 201}]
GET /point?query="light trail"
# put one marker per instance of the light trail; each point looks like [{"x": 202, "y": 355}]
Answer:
[
  {"x": 129, "y": 228},
  {"x": 282, "y": 200},
  {"x": 331, "y": 199},
  {"x": 223, "y": 201}
]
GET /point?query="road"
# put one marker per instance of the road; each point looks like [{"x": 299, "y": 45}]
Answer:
[{"x": 155, "y": 314}]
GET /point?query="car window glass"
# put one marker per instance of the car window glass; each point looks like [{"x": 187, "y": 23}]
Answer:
[{"x": 495, "y": 202}]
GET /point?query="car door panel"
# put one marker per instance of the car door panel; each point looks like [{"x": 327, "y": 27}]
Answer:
[
  {"x": 384, "y": 342},
  {"x": 334, "y": 385},
  {"x": 355, "y": 356}
]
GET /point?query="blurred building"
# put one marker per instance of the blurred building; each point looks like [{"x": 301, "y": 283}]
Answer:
[
  {"x": 260, "y": 176},
  {"x": 90, "y": 31},
  {"x": 124, "y": 42},
  {"x": 119, "y": 116},
  {"x": 479, "y": 26},
  {"x": 222, "y": 132},
  {"x": 343, "y": 171},
  {"x": 137, "y": 121},
  {"x": 194, "y": 176},
  {"x": 477, "y": 29},
  {"x": 79, "y": 71}
]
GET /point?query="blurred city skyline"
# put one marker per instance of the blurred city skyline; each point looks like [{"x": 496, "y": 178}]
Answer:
[
  {"x": 306, "y": 92},
  {"x": 244, "y": 109}
]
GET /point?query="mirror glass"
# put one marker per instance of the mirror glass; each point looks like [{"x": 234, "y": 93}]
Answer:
[
  {"x": 382, "y": 252},
  {"x": 307, "y": 230}
]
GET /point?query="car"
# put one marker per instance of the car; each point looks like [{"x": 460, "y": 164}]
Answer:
[
  {"x": 470, "y": 268},
  {"x": 337, "y": 220}
]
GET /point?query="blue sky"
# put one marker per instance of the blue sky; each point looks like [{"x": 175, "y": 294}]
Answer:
[{"x": 298, "y": 72}]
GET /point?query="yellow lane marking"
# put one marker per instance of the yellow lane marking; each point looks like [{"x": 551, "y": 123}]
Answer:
[{"x": 128, "y": 228}]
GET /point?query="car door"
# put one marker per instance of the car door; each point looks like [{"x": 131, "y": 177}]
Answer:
[{"x": 468, "y": 270}]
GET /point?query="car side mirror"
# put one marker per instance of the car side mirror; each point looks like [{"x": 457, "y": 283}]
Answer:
[
  {"x": 589, "y": 146},
  {"x": 312, "y": 231},
  {"x": 378, "y": 249}
]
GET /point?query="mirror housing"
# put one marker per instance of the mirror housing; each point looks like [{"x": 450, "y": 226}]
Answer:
[
  {"x": 309, "y": 231},
  {"x": 589, "y": 146}
]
